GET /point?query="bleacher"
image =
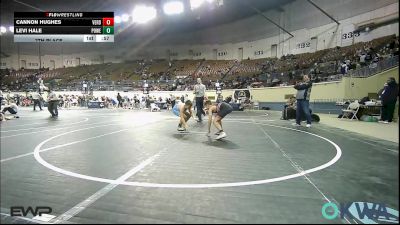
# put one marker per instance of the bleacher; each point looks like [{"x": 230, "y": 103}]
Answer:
[
  {"x": 215, "y": 69},
  {"x": 158, "y": 66},
  {"x": 248, "y": 68},
  {"x": 324, "y": 64},
  {"x": 183, "y": 68}
]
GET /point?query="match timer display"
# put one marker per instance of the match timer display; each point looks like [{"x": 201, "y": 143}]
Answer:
[{"x": 63, "y": 27}]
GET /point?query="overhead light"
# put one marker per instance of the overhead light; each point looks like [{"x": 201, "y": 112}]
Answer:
[
  {"x": 117, "y": 19},
  {"x": 173, "y": 7},
  {"x": 196, "y": 3},
  {"x": 3, "y": 29},
  {"x": 220, "y": 2},
  {"x": 143, "y": 14},
  {"x": 210, "y": 1},
  {"x": 125, "y": 18}
]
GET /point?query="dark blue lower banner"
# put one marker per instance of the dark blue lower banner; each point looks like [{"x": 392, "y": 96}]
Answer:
[
  {"x": 95, "y": 105},
  {"x": 236, "y": 107}
]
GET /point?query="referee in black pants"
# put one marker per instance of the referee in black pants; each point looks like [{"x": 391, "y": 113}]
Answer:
[
  {"x": 199, "y": 92},
  {"x": 53, "y": 103},
  {"x": 36, "y": 100}
]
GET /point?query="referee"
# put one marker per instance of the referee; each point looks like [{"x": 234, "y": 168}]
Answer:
[
  {"x": 36, "y": 100},
  {"x": 199, "y": 92},
  {"x": 52, "y": 103}
]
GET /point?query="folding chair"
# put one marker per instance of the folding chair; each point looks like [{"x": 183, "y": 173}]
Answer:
[
  {"x": 256, "y": 105},
  {"x": 351, "y": 109}
]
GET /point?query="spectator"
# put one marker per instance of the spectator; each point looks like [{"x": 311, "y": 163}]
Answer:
[
  {"x": 119, "y": 98},
  {"x": 220, "y": 98},
  {"x": 290, "y": 104},
  {"x": 169, "y": 103},
  {"x": 344, "y": 68},
  {"x": 8, "y": 97},
  {"x": 247, "y": 103},
  {"x": 11, "y": 108},
  {"x": 173, "y": 101},
  {"x": 362, "y": 59},
  {"x": 17, "y": 99},
  {"x": 229, "y": 99},
  {"x": 186, "y": 97},
  {"x": 389, "y": 99},
  {"x": 1, "y": 99},
  {"x": 303, "y": 100},
  {"x": 61, "y": 104}
]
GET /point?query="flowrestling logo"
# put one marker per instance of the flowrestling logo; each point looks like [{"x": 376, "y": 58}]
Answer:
[{"x": 363, "y": 212}]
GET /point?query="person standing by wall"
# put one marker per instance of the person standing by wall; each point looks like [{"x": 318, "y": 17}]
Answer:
[
  {"x": 389, "y": 99},
  {"x": 1, "y": 98},
  {"x": 8, "y": 97},
  {"x": 186, "y": 98},
  {"x": 199, "y": 92},
  {"x": 17, "y": 99},
  {"x": 303, "y": 100},
  {"x": 119, "y": 98},
  {"x": 173, "y": 101}
]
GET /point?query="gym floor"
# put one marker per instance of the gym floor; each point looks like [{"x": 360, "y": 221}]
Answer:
[{"x": 126, "y": 166}]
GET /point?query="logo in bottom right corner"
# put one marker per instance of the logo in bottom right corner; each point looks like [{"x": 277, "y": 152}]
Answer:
[{"x": 363, "y": 212}]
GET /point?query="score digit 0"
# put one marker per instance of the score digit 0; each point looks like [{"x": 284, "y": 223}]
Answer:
[
  {"x": 108, "y": 21},
  {"x": 108, "y": 30}
]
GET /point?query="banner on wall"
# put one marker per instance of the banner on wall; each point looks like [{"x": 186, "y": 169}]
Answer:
[
  {"x": 349, "y": 36},
  {"x": 241, "y": 94}
]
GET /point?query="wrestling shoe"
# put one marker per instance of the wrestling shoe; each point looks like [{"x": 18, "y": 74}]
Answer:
[{"x": 221, "y": 135}]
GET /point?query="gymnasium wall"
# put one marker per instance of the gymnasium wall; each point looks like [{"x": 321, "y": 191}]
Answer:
[
  {"x": 323, "y": 96},
  {"x": 357, "y": 88},
  {"x": 347, "y": 88}
]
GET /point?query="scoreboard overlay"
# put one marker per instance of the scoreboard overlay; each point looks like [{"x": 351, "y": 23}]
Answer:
[{"x": 63, "y": 26}]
